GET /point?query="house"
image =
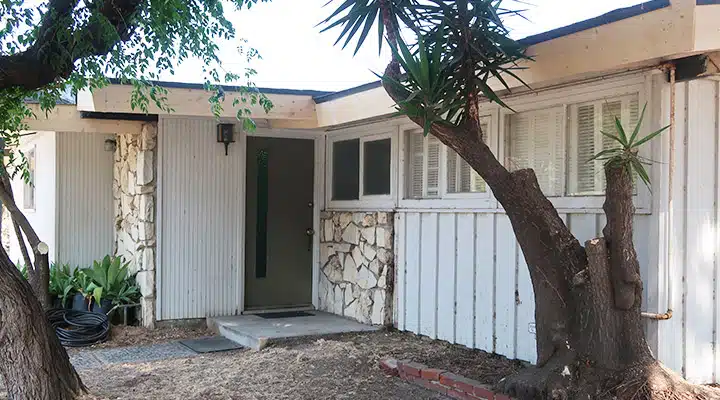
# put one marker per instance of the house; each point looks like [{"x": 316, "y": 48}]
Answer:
[{"x": 336, "y": 204}]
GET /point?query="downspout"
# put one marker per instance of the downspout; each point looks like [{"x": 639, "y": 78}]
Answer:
[{"x": 671, "y": 171}]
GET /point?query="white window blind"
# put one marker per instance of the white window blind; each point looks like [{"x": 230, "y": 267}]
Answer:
[
  {"x": 587, "y": 120},
  {"x": 423, "y": 165},
  {"x": 536, "y": 141},
  {"x": 461, "y": 178}
]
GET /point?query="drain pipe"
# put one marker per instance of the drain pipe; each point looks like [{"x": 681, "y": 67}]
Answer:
[{"x": 671, "y": 171}]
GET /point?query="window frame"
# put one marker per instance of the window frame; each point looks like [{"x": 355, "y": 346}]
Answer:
[
  {"x": 565, "y": 98},
  {"x": 445, "y": 200},
  {"x": 364, "y": 134},
  {"x": 572, "y": 136}
]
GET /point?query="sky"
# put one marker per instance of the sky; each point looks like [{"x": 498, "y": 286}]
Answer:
[{"x": 295, "y": 55}]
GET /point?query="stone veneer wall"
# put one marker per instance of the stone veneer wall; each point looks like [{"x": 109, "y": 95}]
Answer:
[
  {"x": 134, "y": 193},
  {"x": 357, "y": 266}
]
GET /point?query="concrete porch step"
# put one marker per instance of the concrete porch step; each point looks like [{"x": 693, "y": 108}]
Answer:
[{"x": 256, "y": 332}]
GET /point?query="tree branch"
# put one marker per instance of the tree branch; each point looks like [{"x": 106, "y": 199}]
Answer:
[
  {"x": 58, "y": 46},
  {"x": 5, "y": 181}
]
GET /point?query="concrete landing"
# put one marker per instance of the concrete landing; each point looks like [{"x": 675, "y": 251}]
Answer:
[{"x": 255, "y": 332}]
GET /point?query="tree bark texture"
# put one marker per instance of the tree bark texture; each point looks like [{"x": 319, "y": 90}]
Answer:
[{"x": 34, "y": 364}]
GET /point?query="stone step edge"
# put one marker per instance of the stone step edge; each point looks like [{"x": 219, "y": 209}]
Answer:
[{"x": 438, "y": 380}]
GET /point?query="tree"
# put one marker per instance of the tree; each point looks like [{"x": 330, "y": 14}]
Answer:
[
  {"x": 64, "y": 46},
  {"x": 590, "y": 341}
]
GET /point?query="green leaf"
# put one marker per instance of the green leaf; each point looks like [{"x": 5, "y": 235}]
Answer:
[
  {"x": 604, "y": 153},
  {"x": 621, "y": 132},
  {"x": 615, "y": 138},
  {"x": 637, "y": 126},
  {"x": 650, "y": 136},
  {"x": 640, "y": 170}
]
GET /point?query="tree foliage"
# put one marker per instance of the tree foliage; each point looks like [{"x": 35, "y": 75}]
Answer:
[
  {"x": 449, "y": 51},
  {"x": 58, "y": 47}
]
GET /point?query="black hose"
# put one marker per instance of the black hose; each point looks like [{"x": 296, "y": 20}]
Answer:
[{"x": 79, "y": 328}]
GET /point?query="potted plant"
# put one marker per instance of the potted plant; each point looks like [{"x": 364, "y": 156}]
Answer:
[
  {"x": 84, "y": 288},
  {"x": 62, "y": 286},
  {"x": 109, "y": 278}
]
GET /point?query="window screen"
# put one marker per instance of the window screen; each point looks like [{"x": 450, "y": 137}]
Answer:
[
  {"x": 376, "y": 167},
  {"x": 346, "y": 170}
]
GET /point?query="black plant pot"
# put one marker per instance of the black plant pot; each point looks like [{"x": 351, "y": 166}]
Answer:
[
  {"x": 104, "y": 307},
  {"x": 79, "y": 302}
]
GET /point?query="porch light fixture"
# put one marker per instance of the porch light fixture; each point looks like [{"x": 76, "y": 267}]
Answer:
[
  {"x": 225, "y": 135},
  {"x": 110, "y": 145}
]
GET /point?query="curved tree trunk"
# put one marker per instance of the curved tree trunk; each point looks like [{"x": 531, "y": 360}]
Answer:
[{"x": 33, "y": 363}]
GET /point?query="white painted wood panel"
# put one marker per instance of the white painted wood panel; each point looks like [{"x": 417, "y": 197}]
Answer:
[
  {"x": 201, "y": 207},
  {"x": 428, "y": 272},
  {"x": 411, "y": 303},
  {"x": 506, "y": 252},
  {"x": 485, "y": 271},
  {"x": 84, "y": 197},
  {"x": 447, "y": 272},
  {"x": 465, "y": 279}
]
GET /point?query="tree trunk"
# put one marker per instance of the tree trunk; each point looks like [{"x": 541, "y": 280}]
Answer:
[
  {"x": 590, "y": 340},
  {"x": 32, "y": 362},
  {"x": 39, "y": 271}
]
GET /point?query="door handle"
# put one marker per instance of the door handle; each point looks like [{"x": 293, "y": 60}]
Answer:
[{"x": 310, "y": 232}]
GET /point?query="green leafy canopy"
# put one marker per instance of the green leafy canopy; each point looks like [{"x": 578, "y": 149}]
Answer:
[
  {"x": 86, "y": 42},
  {"x": 449, "y": 51}
]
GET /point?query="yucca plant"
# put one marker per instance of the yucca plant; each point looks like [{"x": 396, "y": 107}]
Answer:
[{"x": 626, "y": 152}]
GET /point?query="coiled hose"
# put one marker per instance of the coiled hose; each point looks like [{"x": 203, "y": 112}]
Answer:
[{"x": 79, "y": 328}]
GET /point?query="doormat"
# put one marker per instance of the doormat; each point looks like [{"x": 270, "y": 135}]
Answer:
[
  {"x": 210, "y": 344},
  {"x": 285, "y": 314}
]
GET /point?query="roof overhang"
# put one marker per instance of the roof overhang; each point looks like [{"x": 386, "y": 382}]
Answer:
[
  {"x": 641, "y": 36},
  {"x": 291, "y": 108}
]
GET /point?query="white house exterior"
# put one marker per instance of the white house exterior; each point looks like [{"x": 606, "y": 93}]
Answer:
[{"x": 397, "y": 229}]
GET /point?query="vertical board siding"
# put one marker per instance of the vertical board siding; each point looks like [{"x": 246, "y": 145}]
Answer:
[
  {"x": 484, "y": 270},
  {"x": 85, "y": 198},
  {"x": 202, "y": 204},
  {"x": 465, "y": 279},
  {"x": 462, "y": 277},
  {"x": 687, "y": 251},
  {"x": 428, "y": 274}
]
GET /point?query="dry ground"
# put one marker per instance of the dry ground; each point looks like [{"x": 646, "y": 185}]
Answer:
[{"x": 339, "y": 367}]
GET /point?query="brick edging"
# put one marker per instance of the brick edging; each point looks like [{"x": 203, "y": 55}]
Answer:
[{"x": 441, "y": 381}]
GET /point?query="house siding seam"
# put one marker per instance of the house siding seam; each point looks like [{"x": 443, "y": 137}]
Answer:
[
  {"x": 134, "y": 194},
  {"x": 357, "y": 265}
]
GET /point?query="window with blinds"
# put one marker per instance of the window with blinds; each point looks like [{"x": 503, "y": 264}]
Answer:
[
  {"x": 587, "y": 120},
  {"x": 461, "y": 178},
  {"x": 535, "y": 140},
  {"x": 423, "y": 165},
  {"x": 434, "y": 170}
]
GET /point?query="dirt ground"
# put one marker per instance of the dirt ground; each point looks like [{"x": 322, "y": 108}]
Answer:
[
  {"x": 337, "y": 367},
  {"x": 341, "y": 367}
]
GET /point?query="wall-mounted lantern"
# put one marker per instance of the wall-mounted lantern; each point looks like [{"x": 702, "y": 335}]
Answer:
[
  {"x": 110, "y": 145},
  {"x": 225, "y": 135}
]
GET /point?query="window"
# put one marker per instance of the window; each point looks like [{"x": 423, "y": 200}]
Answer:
[
  {"x": 461, "y": 178},
  {"x": 425, "y": 167},
  {"x": 587, "y": 120},
  {"x": 361, "y": 167},
  {"x": 346, "y": 170},
  {"x": 535, "y": 141},
  {"x": 376, "y": 167},
  {"x": 29, "y": 186}
]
